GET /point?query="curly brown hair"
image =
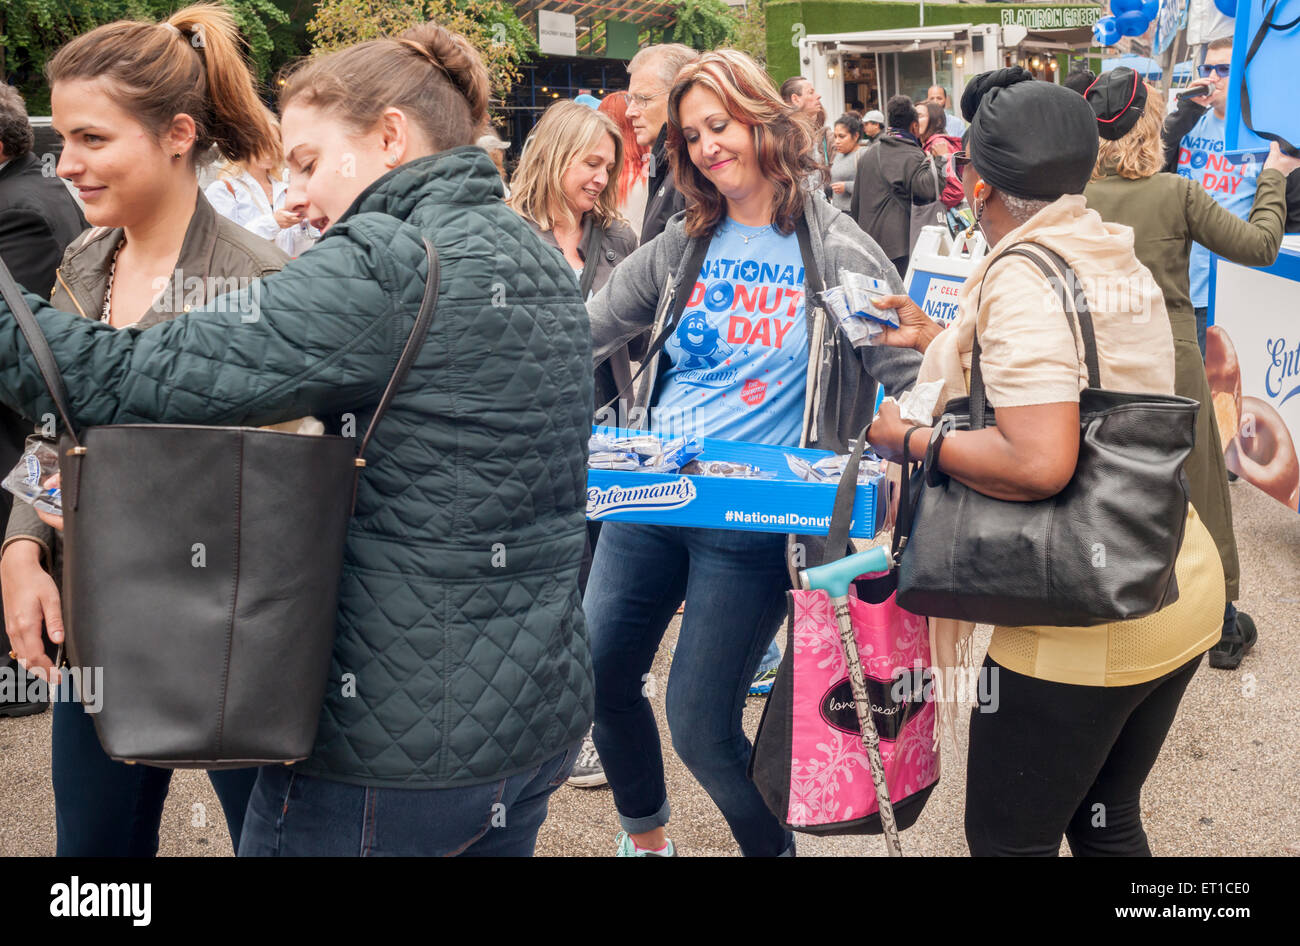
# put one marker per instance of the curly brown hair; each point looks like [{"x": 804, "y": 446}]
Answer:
[{"x": 783, "y": 139}]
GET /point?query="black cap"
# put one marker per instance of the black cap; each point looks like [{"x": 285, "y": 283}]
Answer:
[
  {"x": 1118, "y": 97},
  {"x": 1031, "y": 139}
]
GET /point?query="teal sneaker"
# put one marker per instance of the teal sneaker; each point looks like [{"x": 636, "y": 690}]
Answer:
[{"x": 627, "y": 848}]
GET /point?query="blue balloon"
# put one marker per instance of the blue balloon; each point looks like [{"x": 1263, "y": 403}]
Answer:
[
  {"x": 1132, "y": 24},
  {"x": 1227, "y": 7},
  {"x": 1152, "y": 7},
  {"x": 1106, "y": 31},
  {"x": 1120, "y": 7}
]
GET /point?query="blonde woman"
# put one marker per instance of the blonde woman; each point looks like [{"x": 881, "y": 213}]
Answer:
[
  {"x": 1167, "y": 213},
  {"x": 567, "y": 188},
  {"x": 252, "y": 194}
]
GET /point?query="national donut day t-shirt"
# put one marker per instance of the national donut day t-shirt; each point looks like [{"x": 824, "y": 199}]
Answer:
[
  {"x": 740, "y": 353},
  {"x": 1201, "y": 157}
]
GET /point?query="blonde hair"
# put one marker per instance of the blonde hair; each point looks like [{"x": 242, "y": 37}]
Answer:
[
  {"x": 1141, "y": 152},
  {"x": 567, "y": 132}
]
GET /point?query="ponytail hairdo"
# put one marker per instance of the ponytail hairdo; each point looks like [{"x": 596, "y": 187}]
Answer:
[
  {"x": 433, "y": 74},
  {"x": 191, "y": 63}
]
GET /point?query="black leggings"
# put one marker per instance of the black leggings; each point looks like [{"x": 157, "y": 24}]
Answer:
[{"x": 1056, "y": 758}]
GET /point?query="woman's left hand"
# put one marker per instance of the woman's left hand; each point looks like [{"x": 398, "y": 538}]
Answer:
[
  {"x": 48, "y": 517},
  {"x": 887, "y": 431}
]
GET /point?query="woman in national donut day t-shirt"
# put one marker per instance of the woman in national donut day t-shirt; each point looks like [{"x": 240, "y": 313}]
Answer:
[{"x": 740, "y": 369}]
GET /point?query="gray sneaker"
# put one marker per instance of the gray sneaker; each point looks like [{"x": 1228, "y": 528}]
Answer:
[{"x": 587, "y": 771}]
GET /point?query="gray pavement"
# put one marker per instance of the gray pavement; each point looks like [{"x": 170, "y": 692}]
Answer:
[{"x": 1225, "y": 782}]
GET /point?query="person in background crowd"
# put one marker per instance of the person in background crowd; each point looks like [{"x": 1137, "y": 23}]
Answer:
[
  {"x": 650, "y": 75},
  {"x": 566, "y": 187},
  {"x": 740, "y": 155},
  {"x": 38, "y": 219},
  {"x": 1167, "y": 213},
  {"x": 873, "y": 123},
  {"x": 801, "y": 94},
  {"x": 856, "y": 106},
  {"x": 632, "y": 183},
  {"x": 1194, "y": 139},
  {"x": 1079, "y": 80},
  {"x": 133, "y": 104},
  {"x": 894, "y": 176},
  {"x": 472, "y": 679},
  {"x": 938, "y": 95},
  {"x": 930, "y": 123},
  {"x": 1082, "y": 712},
  {"x": 844, "y": 168},
  {"x": 496, "y": 148},
  {"x": 251, "y": 193}
]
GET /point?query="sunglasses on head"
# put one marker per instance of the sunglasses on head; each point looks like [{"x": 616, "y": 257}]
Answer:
[{"x": 1220, "y": 69}]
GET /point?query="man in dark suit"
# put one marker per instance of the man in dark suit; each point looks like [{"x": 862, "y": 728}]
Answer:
[
  {"x": 38, "y": 219},
  {"x": 650, "y": 76}
]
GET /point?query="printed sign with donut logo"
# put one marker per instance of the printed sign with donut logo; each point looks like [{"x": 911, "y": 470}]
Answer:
[{"x": 1257, "y": 425}]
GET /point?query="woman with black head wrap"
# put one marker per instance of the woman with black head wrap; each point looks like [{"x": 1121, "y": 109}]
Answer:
[
  {"x": 1081, "y": 713},
  {"x": 1167, "y": 212}
]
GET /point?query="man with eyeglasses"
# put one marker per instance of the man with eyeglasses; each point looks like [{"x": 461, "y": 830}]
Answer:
[
  {"x": 650, "y": 76},
  {"x": 1194, "y": 135}
]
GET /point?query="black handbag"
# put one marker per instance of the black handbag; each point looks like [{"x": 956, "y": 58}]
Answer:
[
  {"x": 1102, "y": 549},
  {"x": 201, "y": 572}
]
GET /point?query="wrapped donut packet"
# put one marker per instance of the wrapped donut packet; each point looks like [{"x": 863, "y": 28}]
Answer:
[
  {"x": 38, "y": 463},
  {"x": 853, "y": 305}
]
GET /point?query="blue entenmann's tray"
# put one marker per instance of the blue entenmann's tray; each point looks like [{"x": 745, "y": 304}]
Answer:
[{"x": 783, "y": 504}]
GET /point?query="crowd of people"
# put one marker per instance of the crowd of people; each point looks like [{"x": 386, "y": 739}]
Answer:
[{"x": 480, "y": 690}]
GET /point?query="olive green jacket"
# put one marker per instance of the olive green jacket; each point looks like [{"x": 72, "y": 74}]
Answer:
[{"x": 1167, "y": 213}]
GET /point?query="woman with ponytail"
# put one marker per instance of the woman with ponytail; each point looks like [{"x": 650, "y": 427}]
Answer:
[
  {"x": 460, "y": 685},
  {"x": 138, "y": 105}
]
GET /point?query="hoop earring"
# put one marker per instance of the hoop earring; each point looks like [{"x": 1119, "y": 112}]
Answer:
[{"x": 979, "y": 215}]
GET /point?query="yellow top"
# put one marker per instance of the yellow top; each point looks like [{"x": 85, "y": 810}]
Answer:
[{"x": 1129, "y": 652}]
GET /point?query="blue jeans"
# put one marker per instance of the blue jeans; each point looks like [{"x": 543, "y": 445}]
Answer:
[
  {"x": 104, "y": 808},
  {"x": 295, "y": 815},
  {"x": 1202, "y": 315},
  {"x": 734, "y": 585}
]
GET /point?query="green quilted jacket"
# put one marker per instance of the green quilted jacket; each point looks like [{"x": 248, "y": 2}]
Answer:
[{"x": 459, "y": 615}]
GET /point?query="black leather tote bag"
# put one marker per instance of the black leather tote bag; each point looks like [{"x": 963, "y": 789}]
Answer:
[
  {"x": 201, "y": 572},
  {"x": 1102, "y": 549}
]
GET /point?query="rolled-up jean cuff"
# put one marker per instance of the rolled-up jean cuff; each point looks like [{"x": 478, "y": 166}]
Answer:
[{"x": 648, "y": 823}]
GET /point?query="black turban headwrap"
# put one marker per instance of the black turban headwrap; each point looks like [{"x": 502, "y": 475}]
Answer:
[
  {"x": 1117, "y": 98},
  {"x": 1031, "y": 139}
]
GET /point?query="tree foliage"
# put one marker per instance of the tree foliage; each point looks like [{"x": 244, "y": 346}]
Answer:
[
  {"x": 490, "y": 25},
  {"x": 751, "y": 31},
  {"x": 31, "y": 31},
  {"x": 705, "y": 24}
]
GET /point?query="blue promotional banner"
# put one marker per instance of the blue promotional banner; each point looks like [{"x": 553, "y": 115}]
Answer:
[
  {"x": 1266, "y": 46},
  {"x": 780, "y": 502}
]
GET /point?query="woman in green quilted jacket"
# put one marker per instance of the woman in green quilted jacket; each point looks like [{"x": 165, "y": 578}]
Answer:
[{"x": 460, "y": 684}]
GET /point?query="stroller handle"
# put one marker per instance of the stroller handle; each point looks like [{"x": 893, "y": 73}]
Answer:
[{"x": 836, "y": 577}]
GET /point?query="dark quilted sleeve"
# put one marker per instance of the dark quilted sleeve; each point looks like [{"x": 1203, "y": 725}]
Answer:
[{"x": 316, "y": 338}]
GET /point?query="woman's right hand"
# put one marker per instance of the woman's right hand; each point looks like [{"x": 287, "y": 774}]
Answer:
[
  {"x": 1277, "y": 161},
  {"x": 915, "y": 328},
  {"x": 31, "y": 602}
]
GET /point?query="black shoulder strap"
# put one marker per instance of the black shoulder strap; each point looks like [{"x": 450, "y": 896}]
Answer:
[
  {"x": 413, "y": 343},
  {"x": 45, "y": 362},
  {"x": 678, "y": 292},
  {"x": 837, "y": 537},
  {"x": 1062, "y": 278},
  {"x": 591, "y": 258}
]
